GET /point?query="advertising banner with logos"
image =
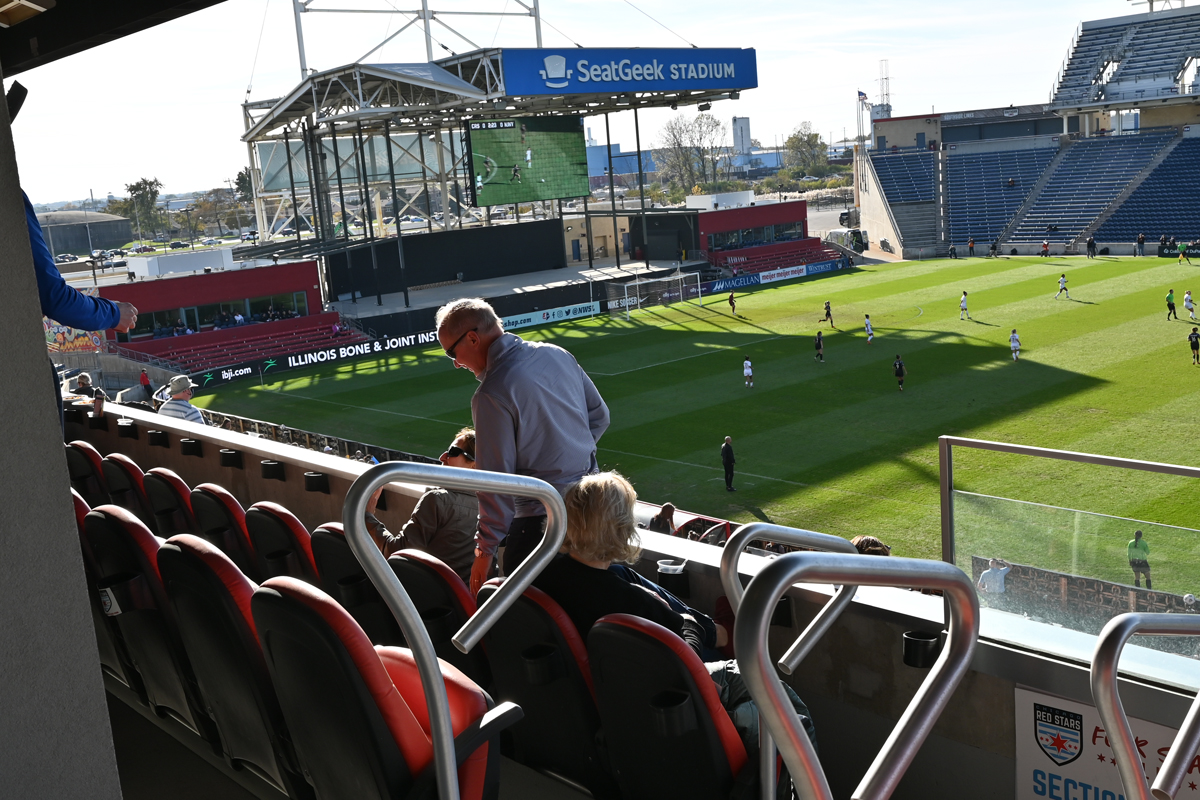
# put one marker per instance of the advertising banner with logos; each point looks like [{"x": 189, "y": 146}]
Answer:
[
  {"x": 338, "y": 353},
  {"x": 596, "y": 70},
  {"x": 544, "y": 317},
  {"x": 1166, "y": 251},
  {"x": 1063, "y": 753},
  {"x": 770, "y": 276}
]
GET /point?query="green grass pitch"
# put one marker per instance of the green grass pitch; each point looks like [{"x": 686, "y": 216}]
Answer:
[{"x": 835, "y": 447}]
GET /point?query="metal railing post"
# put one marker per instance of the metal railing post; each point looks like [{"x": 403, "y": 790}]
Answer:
[
  {"x": 1105, "y": 695},
  {"x": 750, "y": 642},
  {"x": 401, "y": 605},
  {"x": 946, "y": 475},
  {"x": 731, "y": 582}
]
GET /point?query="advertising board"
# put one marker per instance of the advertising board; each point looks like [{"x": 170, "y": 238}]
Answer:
[{"x": 593, "y": 70}]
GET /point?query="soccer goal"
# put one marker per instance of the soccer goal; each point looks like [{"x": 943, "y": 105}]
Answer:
[{"x": 625, "y": 298}]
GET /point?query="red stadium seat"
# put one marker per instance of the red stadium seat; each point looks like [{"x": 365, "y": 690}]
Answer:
[
  {"x": 170, "y": 501},
  {"x": 343, "y": 578},
  {"x": 540, "y": 662},
  {"x": 659, "y": 706},
  {"x": 221, "y": 521},
  {"x": 356, "y": 712},
  {"x": 85, "y": 467},
  {"x": 125, "y": 554},
  {"x": 126, "y": 486},
  {"x": 281, "y": 543},
  {"x": 114, "y": 660},
  {"x": 211, "y": 599},
  {"x": 445, "y": 603}
]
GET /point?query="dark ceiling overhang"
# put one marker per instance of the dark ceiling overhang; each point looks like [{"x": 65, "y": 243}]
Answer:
[{"x": 72, "y": 26}]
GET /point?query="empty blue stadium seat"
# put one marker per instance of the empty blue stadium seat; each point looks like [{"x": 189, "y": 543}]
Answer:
[
  {"x": 981, "y": 202},
  {"x": 1164, "y": 203},
  {"x": 905, "y": 177},
  {"x": 1091, "y": 174}
]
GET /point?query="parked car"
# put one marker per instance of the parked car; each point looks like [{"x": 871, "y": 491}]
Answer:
[
  {"x": 210, "y": 241},
  {"x": 809, "y": 178},
  {"x": 115, "y": 263},
  {"x": 65, "y": 258},
  {"x": 142, "y": 248},
  {"x": 289, "y": 232},
  {"x": 249, "y": 236},
  {"x": 178, "y": 245}
]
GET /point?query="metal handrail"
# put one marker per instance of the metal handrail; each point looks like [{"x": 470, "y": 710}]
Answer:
[
  {"x": 750, "y": 642},
  {"x": 794, "y": 537},
  {"x": 401, "y": 605},
  {"x": 1108, "y": 703},
  {"x": 731, "y": 582}
]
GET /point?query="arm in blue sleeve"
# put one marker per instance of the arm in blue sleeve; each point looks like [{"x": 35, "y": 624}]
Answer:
[
  {"x": 597, "y": 409},
  {"x": 60, "y": 302}
]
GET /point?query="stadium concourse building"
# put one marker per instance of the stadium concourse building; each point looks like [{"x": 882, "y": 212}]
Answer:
[
  {"x": 81, "y": 232},
  {"x": 1109, "y": 156}
]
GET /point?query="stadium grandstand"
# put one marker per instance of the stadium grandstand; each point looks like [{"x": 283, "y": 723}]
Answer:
[
  {"x": 199, "y": 610},
  {"x": 1098, "y": 159}
]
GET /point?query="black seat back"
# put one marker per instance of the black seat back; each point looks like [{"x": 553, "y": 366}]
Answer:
[
  {"x": 445, "y": 604},
  {"x": 87, "y": 475},
  {"x": 539, "y": 661},
  {"x": 659, "y": 706},
  {"x": 126, "y": 487},
  {"x": 125, "y": 554},
  {"x": 343, "y": 579},
  {"x": 170, "y": 502},
  {"x": 282, "y": 545},
  {"x": 211, "y": 599}
]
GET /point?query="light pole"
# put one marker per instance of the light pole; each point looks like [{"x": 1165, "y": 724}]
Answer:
[{"x": 191, "y": 239}]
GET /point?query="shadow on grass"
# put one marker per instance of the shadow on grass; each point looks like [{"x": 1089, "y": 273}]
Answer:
[{"x": 811, "y": 424}]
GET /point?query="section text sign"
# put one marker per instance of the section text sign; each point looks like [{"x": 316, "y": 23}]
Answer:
[{"x": 1063, "y": 751}]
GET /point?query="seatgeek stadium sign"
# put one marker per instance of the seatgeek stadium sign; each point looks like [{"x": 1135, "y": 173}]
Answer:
[
  {"x": 380, "y": 347},
  {"x": 530, "y": 72}
]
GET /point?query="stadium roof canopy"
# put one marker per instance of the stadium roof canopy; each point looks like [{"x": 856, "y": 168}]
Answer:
[{"x": 505, "y": 82}]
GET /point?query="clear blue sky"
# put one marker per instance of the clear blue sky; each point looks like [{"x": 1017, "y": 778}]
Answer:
[{"x": 166, "y": 102}]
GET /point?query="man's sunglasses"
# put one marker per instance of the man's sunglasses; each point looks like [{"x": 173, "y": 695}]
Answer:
[
  {"x": 454, "y": 451},
  {"x": 450, "y": 350}
]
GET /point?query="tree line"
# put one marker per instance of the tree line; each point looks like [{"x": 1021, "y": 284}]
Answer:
[{"x": 223, "y": 207}]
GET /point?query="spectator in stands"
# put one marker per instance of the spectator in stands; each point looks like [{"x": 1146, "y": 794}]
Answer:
[
  {"x": 443, "y": 521},
  {"x": 1162, "y": 240},
  {"x": 94, "y": 393},
  {"x": 727, "y": 461},
  {"x": 1141, "y": 244},
  {"x": 144, "y": 381},
  {"x": 179, "y": 406},
  {"x": 1012, "y": 182},
  {"x": 589, "y": 580},
  {"x": 870, "y": 546},
  {"x": 992, "y": 579},
  {"x": 238, "y": 319},
  {"x": 536, "y": 413},
  {"x": 664, "y": 520},
  {"x": 328, "y": 448},
  {"x": 1138, "y": 553}
]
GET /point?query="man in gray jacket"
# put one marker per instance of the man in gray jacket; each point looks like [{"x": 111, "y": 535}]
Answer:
[{"x": 536, "y": 413}]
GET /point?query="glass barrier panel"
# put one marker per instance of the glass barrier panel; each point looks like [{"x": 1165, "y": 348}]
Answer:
[{"x": 1076, "y": 569}]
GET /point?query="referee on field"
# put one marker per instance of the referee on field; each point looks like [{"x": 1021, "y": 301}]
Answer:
[{"x": 1138, "y": 552}]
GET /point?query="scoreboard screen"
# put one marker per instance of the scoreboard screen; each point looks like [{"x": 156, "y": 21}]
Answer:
[{"x": 524, "y": 159}]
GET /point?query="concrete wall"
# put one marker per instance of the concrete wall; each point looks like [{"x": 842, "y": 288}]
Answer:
[
  {"x": 55, "y": 740},
  {"x": 1154, "y": 117},
  {"x": 902, "y": 131},
  {"x": 874, "y": 213},
  {"x": 1003, "y": 145}
]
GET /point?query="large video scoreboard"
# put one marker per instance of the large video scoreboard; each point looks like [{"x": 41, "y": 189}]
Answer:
[{"x": 524, "y": 159}]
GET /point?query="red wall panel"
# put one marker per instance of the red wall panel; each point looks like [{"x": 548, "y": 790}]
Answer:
[
  {"x": 731, "y": 219},
  {"x": 196, "y": 290}
]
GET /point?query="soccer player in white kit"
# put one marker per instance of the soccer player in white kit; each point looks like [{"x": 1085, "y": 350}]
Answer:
[
  {"x": 870, "y": 330},
  {"x": 529, "y": 158},
  {"x": 1189, "y": 304},
  {"x": 962, "y": 305},
  {"x": 1014, "y": 342},
  {"x": 1062, "y": 286},
  {"x": 748, "y": 371}
]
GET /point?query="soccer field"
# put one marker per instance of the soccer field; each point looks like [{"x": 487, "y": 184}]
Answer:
[{"x": 834, "y": 447}]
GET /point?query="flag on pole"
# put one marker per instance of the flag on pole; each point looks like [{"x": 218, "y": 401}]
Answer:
[{"x": 862, "y": 95}]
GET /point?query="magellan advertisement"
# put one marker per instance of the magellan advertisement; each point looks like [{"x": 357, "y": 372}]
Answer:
[{"x": 1063, "y": 751}]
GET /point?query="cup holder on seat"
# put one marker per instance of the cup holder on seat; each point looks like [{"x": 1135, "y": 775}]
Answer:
[
  {"x": 439, "y": 622},
  {"x": 543, "y": 664},
  {"x": 355, "y": 590},
  {"x": 283, "y": 562},
  {"x": 673, "y": 713}
]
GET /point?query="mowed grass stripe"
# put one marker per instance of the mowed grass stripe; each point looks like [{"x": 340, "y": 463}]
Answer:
[{"x": 835, "y": 446}]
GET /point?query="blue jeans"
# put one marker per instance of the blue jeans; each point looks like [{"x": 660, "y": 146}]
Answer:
[{"x": 710, "y": 651}]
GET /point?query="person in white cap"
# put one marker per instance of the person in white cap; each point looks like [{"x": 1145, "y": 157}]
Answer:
[{"x": 180, "y": 388}]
